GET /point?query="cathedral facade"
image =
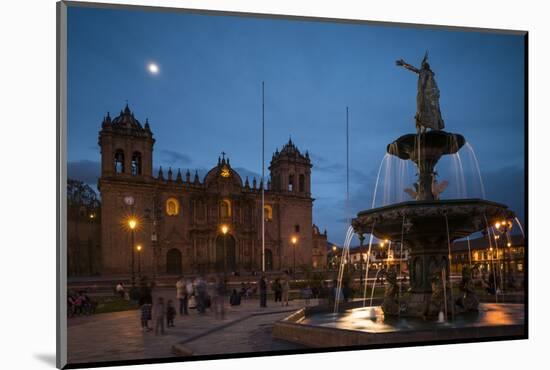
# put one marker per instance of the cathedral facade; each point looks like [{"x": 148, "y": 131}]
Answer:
[{"x": 173, "y": 222}]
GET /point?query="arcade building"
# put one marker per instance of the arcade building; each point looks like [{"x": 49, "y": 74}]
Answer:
[{"x": 177, "y": 223}]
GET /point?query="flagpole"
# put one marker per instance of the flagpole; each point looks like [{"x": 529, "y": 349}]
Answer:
[
  {"x": 263, "y": 178},
  {"x": 347, "y": 165},
  {"x": 347, "y": 180}
]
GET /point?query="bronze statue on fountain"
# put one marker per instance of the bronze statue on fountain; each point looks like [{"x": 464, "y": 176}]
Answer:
[{"x": 428, "y": 225}]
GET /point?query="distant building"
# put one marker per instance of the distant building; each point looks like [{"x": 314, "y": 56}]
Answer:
[
  {"x": 382, "y": 255},
  {"x": 181, "y": 217},
  {"x": 505, "y": 254}
]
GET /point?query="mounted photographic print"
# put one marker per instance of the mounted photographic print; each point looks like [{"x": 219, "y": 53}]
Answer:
[{"x": 236, "y": 185}]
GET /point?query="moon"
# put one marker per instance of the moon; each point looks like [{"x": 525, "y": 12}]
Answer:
[{"x": 153, "y": 68}]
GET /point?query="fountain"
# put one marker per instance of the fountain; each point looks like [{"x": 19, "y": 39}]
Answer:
[
  {"x": 426, "y": 225},
  {"x": 425, "y": 221}
]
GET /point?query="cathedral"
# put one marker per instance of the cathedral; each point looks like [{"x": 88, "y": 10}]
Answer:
[{"x": 173, "y": 223}]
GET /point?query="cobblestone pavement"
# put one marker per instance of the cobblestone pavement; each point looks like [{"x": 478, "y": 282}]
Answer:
[
  {"x": 252, "y": 334},
  {"x": 118, "y": 336}
]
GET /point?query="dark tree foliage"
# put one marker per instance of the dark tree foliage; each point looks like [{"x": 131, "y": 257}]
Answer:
[{"x": 82, "y": 200}]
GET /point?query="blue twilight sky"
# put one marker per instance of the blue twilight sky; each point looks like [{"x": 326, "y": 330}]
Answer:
[{"x": 207, "y": 98}]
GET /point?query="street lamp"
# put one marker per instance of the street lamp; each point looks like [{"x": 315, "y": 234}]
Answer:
[
  {"x": 225, "y": 229},
  {"x": 138, "y": 248},
  {"x": 132, "y": 224},
  {"x": 294, "y": 241},
  {"x": 502, "y": 227}
]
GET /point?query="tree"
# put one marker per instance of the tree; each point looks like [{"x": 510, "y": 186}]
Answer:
[{"x": 82, "y": 200}]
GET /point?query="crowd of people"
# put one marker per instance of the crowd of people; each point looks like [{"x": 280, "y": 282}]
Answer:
[{"x": 200, "y": 294}]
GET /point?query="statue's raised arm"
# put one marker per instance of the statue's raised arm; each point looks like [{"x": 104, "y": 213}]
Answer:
[{"x": 410, "y": 67}]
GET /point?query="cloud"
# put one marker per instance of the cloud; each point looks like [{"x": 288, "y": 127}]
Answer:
[
  {"x": 243, "y": 172},
  {"x": 175, "y": 158},
  {"x": 84, "y": 170}
]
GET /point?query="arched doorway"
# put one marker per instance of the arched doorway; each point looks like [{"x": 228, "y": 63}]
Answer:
[
  {"x": 268, "y": 260},
  {"x": 173, "y": 262},
  {"x": 226, "y": 242}
]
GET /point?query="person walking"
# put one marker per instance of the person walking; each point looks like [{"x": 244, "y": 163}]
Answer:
[
  {"x": 277, "y": 290},
  {"x": 285, "y": 290},
  {"x": 201, "y": 295},
  {"x": 188, "y": 294},
  {"x": 263, "y": 292},
  {"x": 145, "y": 304},
  {"x": 181, "y": 295},
  {"x": 170, "y": 314},
  {"x": 235, "y": 299},
  {"x": 219, "y": 296},
  {"x": 307, "y": 293},
  {"x": 159, "y": 314}
]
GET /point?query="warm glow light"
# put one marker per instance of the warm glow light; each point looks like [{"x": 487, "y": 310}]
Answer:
[
  {"x": 153, "y": 68},
  {"x": 138, "y": 247},
  {"x": 294, "y": 240},
  {"x": 497, "y": 225},
  {"x": 225, "y": 229},
  {"x": 132, "y": 223},
  {"x": 92, "y": 215},
  {"x": 334, "y": 248},
  {"x": 509, "y": 244}
]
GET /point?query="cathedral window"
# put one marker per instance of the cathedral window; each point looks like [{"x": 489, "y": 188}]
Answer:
[
  {"x": 290, "y": 183},
  {"x": 302, "y": 183},
  {"x": 136, "y": 164},
  {"x": 268, "y": 212},
  {"x": 225, "y": 208},
  {"x": 119, "y": 161},
  {"x": 172, "y": 207}
]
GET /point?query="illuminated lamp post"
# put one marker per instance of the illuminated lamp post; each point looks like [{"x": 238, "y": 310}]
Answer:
[
  {"x": 503, "y": 227},
  {"x": 132, "y": 224},
  {"x": 224, "y": 229},
  {"x": 138, "y": 248},
  {"x": 294, "y": 241}
]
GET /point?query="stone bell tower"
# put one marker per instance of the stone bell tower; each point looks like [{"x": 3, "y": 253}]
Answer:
[
  {"x": 126, "y": 146},
  {"x": 126, "y": 174},
  {"x": 291, "y": 171}
]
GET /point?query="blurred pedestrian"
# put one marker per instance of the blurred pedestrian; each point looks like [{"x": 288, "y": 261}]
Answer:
[
  {"x": 219, "y": 297},
  {"x": 277, "y": 290},
  {"x": 263, "y": 292},
  {"x": 181, "y": 295},
  {"x": 159, "y": 314},
  {"x": 170, "y": 314},
  {"x": 285, "y": 290}
]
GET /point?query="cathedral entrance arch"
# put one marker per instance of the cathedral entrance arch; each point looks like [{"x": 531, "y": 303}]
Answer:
[
  {"x": 173, "y": 262},
  {"x": 228, "y": 263}
]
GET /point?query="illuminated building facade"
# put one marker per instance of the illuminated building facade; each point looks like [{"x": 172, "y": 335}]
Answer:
[{"x": 181, "y": 216}]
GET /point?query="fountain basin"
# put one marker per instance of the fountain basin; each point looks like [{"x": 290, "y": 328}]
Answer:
[
  {"x": 319, "y": 328},
  {"x": 433, "y": 144},
  {"x": 418, "y": 219},
  {"x": 427, "y": 228}
]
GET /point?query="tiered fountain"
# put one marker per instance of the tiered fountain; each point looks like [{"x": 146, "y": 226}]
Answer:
[{"x": 427, "y": 226}]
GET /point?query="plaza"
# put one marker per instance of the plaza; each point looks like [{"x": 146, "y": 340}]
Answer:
[{"x": 117, "y": 336}]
